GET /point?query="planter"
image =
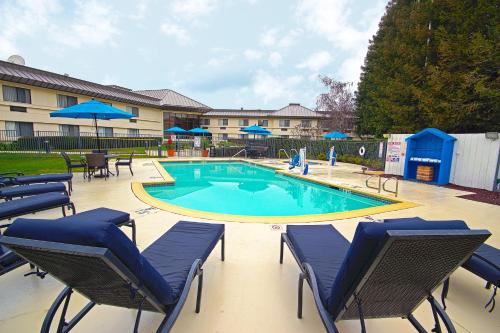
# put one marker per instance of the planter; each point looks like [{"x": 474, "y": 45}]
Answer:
[
  {"x": 204, "y": 153},
  {"x": 171, "y": 152}
]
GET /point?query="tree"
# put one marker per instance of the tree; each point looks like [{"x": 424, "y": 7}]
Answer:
[
  {"x": 337, "y": 105},
  {"x": 432, "y": 64}
]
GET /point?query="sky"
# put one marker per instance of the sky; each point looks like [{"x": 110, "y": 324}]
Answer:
[{"x": 261, "y": 54}]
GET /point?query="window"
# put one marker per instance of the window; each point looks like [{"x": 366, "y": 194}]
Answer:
[
  {"x": 15, "y": 94},
  {"x": 205, "y": 121},
  {"x": 133, "y": 132},
  {"x": 284, "y": 122},
  {"x": 243, "y": 122},
  {"x": 64, "y": 101},
  {"x": 223, "y": 136},
  {"x": 18, "y": 128},
  {"x": 305, "y": 123},
  {"x": 105, "y": 131},
  {"x": 133, "y": 109},
  {"x": 69, "y": 130},
  {"x": 284, "y": 129},
  {"x": 264, "y": 123},
  {"x": 223, "y": 122},
  {"x": 186, "y": 121},
  {"x": 15, "y": 108},
  {"x": 243, "y": 136}
]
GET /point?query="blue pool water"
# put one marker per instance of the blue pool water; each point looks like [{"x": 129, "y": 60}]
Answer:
[{"x": 244, "y": 189}]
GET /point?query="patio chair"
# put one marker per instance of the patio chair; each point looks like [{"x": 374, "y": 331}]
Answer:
[
  {"x": 96, "y": 162},
  {"x": 8, "y": 260},
  {"x": 17, "y": 178},
  {"x": 8, "y": 193},
  {"x": 97, "y": 260},
  {"x": 75, "y": 164},
  {"x": 124, "y": 162},
  {"x": 484, "y": 263},
  {"x": 387, "y": 271}
]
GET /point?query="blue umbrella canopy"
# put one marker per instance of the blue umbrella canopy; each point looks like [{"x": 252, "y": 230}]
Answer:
[
  {"x": 199, "y": 131},
  {"x": 176, "y": 130},
  {"x": 254, "y": 129},
  {"x": 92, "y": 110},
  {"x": 335, "y": 135}
]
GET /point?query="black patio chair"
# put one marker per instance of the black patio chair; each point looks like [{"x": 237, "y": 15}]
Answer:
[
  {"x": 387, "y": 271},
  {"x": 124, "y": 162},
  {"x": 70, "y": 164},
  {"x": 98, "y": 261},
  {"x": 97, "y": 162}
]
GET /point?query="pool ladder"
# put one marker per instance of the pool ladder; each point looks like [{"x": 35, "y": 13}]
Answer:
[
  {"x": 382, "y": 186},
  {"x": 243, "y": 150}
]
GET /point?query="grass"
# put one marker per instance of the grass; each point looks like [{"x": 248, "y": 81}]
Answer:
[{"x": 32, "y": 164}]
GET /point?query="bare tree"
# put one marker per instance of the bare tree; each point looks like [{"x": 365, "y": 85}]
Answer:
[
  {"x": 307, "y": 132},
  {"x": 337, "y": 105}
]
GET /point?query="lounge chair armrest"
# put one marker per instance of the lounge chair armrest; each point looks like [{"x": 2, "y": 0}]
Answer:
[{"x": 324, "y": 314}]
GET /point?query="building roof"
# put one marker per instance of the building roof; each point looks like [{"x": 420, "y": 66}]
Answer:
[
  {"x": 40, "y": 78},
  {"x": 170, "y": 97},
  {"x": 293, "y": 110}
]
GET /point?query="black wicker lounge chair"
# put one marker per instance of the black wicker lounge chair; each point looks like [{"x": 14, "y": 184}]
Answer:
[
  {"x": 387, "y": 271},
  {"x": 19, "y": 191},
  {"x": 97, "y": 260},
  {"x": 484, "y": 262},
  {"x": 17, "y": 178}
]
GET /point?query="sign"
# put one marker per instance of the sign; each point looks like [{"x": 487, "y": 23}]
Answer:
[
  {"x": 197, "y": 142},
  {"x": 393, "y": 152},
  {"x": 380, "y": 150}
]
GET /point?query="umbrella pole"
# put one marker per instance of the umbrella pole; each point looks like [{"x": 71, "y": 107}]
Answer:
[{"x": 97, "y": 133}]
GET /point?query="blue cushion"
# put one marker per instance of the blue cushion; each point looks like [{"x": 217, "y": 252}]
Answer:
[
  {"x": 405, "y": 219},
  {"x": 324, "y": 248},
  {"x": 485, "y": 263},
  {"x": 44, "y": 178},
  {"x": 33, "y": 203},
  {"x": 25, "y": 190},
  {"x": 99, "y": 214},
  {"x": 98, "y": 234},
  {"x": 367, "y": 240},
  {"x": 173, "y": 253}
]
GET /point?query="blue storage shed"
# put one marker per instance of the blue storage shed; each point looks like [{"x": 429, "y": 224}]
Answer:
[{"x": 430, "y": 149}]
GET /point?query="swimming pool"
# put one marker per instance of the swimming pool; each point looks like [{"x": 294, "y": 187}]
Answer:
[{"x": 244, "y": 189}]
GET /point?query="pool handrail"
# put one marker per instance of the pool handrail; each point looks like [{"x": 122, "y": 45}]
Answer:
[{"x": 243, "y": 150}]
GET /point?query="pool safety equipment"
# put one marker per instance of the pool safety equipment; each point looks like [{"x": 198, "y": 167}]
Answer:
[{"x": 332, "y": 156}]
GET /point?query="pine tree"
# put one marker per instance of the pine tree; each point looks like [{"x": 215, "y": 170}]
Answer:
[{"x": 432, "y": 64}]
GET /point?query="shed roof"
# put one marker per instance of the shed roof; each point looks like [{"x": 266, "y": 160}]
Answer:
[{"x": 432, "y": 131}]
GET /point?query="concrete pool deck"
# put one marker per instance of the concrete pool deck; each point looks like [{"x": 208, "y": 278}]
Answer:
[{"x": 250, "y": 291}]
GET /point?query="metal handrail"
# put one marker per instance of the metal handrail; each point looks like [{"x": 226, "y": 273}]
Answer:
[
  {"x": 243, "y": 150},
  {"x": 295, "y": 150},
  {"x": 373, "y": 187},
  {"x": 396, "y": 189},
  {"x": 283, "y": 150}
]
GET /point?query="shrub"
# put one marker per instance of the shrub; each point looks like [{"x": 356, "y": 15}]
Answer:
[{"x": 322, "y": 157}]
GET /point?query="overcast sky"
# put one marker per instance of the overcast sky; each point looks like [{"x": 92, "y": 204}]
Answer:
[{"x": 223, "y": 53}]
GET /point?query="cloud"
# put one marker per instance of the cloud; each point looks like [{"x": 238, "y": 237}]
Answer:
[
  {"x": 141, "y": 7},
  {"x": 316, "y": 61},
  {"x": 191, "y": 9},
  {"x": 273, "y": 38},
  {"x": 275, "y": 59},
  {"x": 95, "y": 23},
  {"x": 173, "y": 30},
  {"x": 23, "y": 18},
  {"x": 252, "y": 55},
  {"x": 269, "y": 87}
]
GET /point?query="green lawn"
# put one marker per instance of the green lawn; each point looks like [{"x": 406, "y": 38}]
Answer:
[{"x": 31, "y": 164}]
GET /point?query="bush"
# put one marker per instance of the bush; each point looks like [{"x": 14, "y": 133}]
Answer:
[
  {"x": 322, "y": 157},
  {"x": 371, "y": 163}
]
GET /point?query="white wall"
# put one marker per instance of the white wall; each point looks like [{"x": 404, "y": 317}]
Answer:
[
  {"x": 396, "y": 167},
  {"x": 474, "y": 162}
]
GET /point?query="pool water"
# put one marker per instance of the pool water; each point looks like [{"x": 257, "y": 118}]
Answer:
[{"x": 240, "y": 188}]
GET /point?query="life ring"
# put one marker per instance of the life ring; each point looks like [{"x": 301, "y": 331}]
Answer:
[{"x": 362, "y": 151}]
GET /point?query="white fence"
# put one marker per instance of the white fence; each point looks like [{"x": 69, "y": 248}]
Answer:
[{"x": 475, "y": 160}]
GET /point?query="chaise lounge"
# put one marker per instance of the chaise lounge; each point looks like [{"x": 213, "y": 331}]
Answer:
[
  {"x": 17, "y": 178},
  {"x": 34, "y": 204},
  {"x": 387, "y": 271},
  {"x": 484, "y": 262},
  {"x": 19, "y": 191},
  {"x": 97, "y": 260}
]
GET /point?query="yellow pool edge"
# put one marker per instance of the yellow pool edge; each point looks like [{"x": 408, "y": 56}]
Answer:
[{"x": 141, "y": 194}]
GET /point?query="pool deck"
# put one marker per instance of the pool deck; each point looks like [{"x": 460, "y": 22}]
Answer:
[{"x": 251, "y": 291}]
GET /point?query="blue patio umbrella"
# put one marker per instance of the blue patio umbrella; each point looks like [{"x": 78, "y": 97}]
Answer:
[
  {"x": 92, "y": 110},
  {"x": 335, "y": 135},
  {"x": 256, "y": 130},
  {"x": 199, "y": 131},
  {"x": 176, "y": 130}
]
